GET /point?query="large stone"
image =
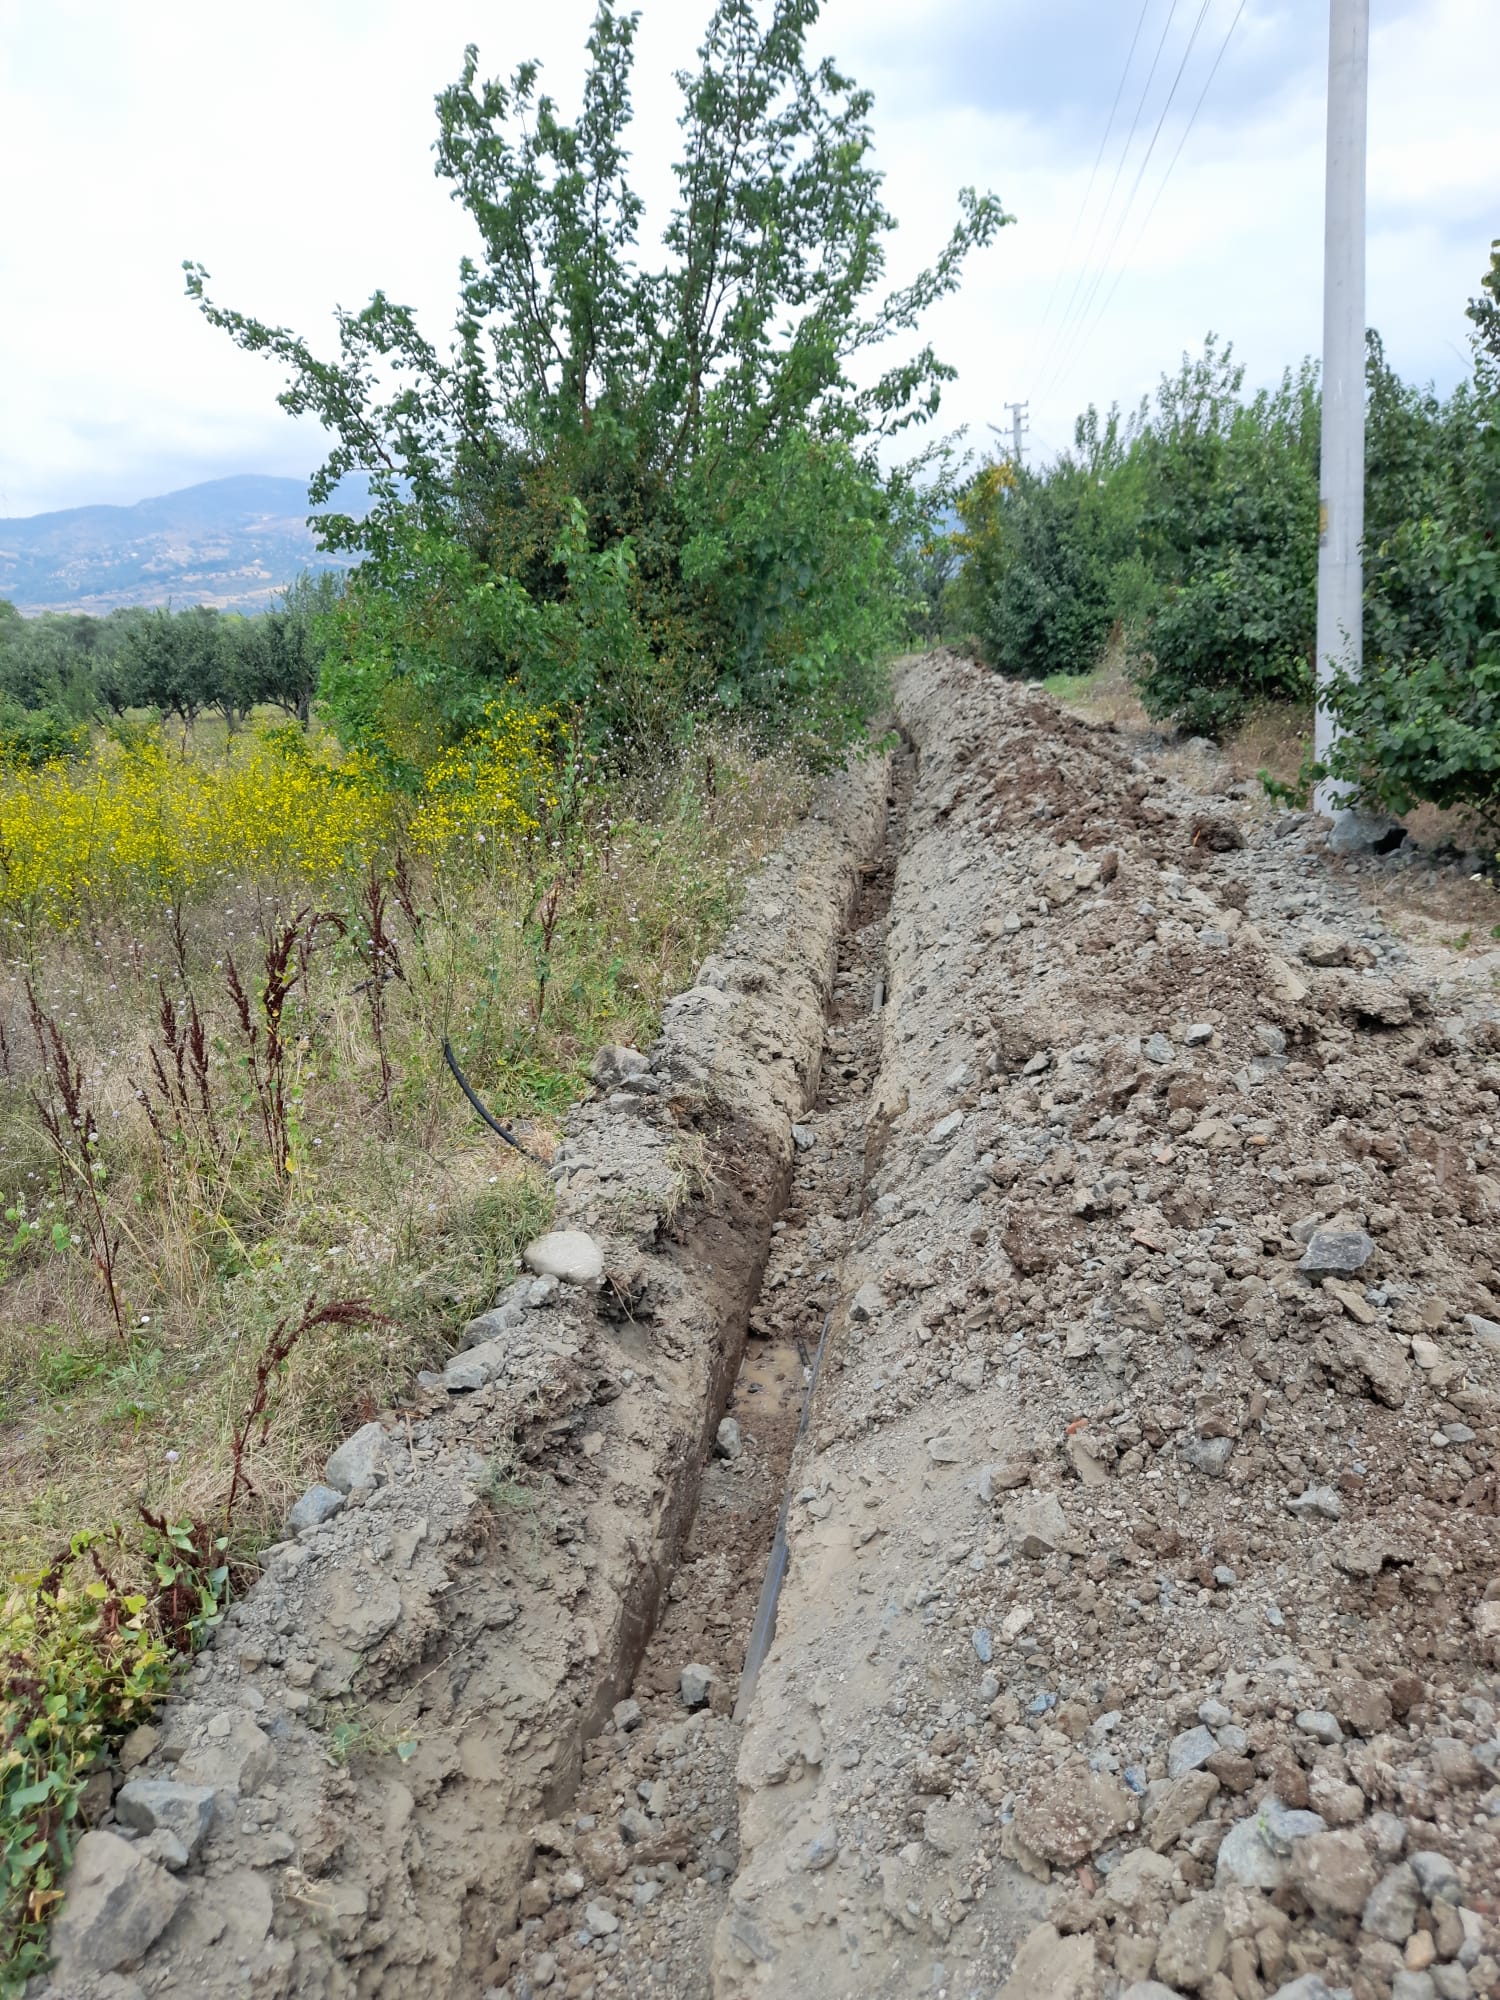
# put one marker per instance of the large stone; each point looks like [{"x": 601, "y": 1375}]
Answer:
[
  {"x": 1190, "y": 1751},
  {"x": 1256, "y": 1851},
  {"x": 1333, "y": 1871},
  {"x": 1051, "y": 1967},
  {"x": 1035, "y": 1523},
  {"x": 1308, "y": 1987},
  {"x": 1066, "y": 1815},
  {"x": 149, "y": 1804},
  {"x": 361, "y": 1462},
  {"x": 493, "y": 1325},
  {"x": 317, "y": 1505},
  {"x": 1326, "y": 948},
  {"x": 1178, "y": 1808},
  {"x": 117, "y": 1904},
  {"x": 1391, "y": 1908},
  {"x": 569, "y": 1254},
  {"x": 1333, "y": 1253},
  {"x": 1193, "y": 1945},
  {"x": 476, "y": 1367},
  {"x": 1436, "y": 1876},
  {"x": 360, "y": 1608},
  {"x": 696, "y": 1683},
  {"x": 234, "y": 1758},
  {"x": 614, "y": 1064}
]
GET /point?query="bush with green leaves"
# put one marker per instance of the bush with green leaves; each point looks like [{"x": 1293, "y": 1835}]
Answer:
[
  {"x": 640, "y": 488},
  {"x": 1422, "y": 723},
  {"x": 1190, "y": 528}
]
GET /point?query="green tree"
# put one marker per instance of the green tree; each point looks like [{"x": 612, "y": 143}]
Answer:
[{"x": 576, "y": 494}]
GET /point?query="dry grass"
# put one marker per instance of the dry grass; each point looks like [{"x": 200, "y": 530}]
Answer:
[{"x": 396, "y": 1195}]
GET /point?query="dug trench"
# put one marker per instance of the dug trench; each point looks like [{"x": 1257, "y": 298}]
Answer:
[
  {"x": 345, "y": 1793},
  {"x": 1141, "y": 1626}
]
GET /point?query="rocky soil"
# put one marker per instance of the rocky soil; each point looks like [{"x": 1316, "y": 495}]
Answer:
[{"x": 1141, "y": 1627}]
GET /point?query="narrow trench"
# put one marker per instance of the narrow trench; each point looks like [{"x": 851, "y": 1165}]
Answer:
[{"x": 630, "y": 1885}]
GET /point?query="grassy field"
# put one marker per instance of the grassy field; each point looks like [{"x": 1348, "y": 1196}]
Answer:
[{"x": 222, "y": 1091}]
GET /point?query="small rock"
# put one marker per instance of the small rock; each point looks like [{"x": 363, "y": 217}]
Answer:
[
  {"x": 1325, "y": 948},
  {"x": 1157, "y": 1049},
  {"x": 1413, "y": 1986},
  {"x": 543, "y": 1969},
  {"x": 317, "y": 1505},
  {"x": 1198, "y": 1034},
  {"x": 1206, "y": 1455},
  {"x": 627, "y": 1715},
  {"x": 1050, "y": 1967},
  {"x": 635, "y": 1825},
  {"x": 804, "y": 1138},
  {"x": 1334, "y": 1252},
  {"x": 1035, "y": 1523},
  {"x": 599, "y": 1921},
  {"x": 569, "y": 1254},
  {"x": 237, "y": 1757},
  {"x": 1320, "y": 1501},
  {"x": 696, "y": 1683},
  {"x": 1194, "y": 1942},
  {"x": 118, "y": 1903},
  {"x": 185, "y": 1811},
  {"x": 1319, "y": 1723},
  {"x": 946, "y": 1129},
  {"x": 1308, "y": 1987},
  {"x": 614, "y": 1063},
  {"x": 1255, "y": 1851},
  {"x": 727, "y": 1439},
  {"x": 1190, "y": 1751},
  {"x": 361, "y": 1462},
  {"x": 1391, "y": 1908},
  {"x": 983, "y": 1644},
  {"x": 1436, "y": 1876},
  {"x": 1333, "y": 1871},
  {"x": 138, "y": 1745},
  {"x": 822, "y": 1850},
  {"x": 943, "y": 1450},
  {"x": 867, "y": 1302}
]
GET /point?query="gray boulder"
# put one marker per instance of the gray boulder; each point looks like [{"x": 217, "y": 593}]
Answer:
[
  {"x": 118, "y": 1903},
  {"x": 150, "y": 1805}
]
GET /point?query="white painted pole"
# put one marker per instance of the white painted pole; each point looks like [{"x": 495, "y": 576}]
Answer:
[{"x": 1340, "y": 636}]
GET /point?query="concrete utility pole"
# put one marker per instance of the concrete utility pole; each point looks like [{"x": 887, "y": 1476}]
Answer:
[
  {"x": 1018, "y": 429},
  {"x": 1341, "y": 525}
]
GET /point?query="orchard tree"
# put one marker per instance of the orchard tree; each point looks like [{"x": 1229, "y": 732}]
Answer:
[{"x": 623, "y": 481}]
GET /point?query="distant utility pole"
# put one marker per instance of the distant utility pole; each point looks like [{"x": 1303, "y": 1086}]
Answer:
[
  {"x": 1341, "y": 523},
  {"x": 1019, "y": 426},
  {"x": 1018, "y": 429}
]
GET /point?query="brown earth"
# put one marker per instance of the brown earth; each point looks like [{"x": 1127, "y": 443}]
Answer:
[{"x": 1142, "y": 1612}]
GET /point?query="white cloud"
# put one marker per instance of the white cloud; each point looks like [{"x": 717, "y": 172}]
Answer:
[{"x": 288, "y": 147}]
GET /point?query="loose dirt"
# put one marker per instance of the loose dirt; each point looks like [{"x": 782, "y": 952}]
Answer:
[{"x": 1142, "y": 1610}]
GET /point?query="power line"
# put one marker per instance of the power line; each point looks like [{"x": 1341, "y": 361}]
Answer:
[
  {"x": 1109, "y": 126},
  {"x": 1064, "y": 357},
  {"x": 1119, "y": 169},
  {"x": 1162, "y": 185}
]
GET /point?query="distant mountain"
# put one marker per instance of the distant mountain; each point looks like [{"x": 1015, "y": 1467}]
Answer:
[{"x": 229, "y": 542}]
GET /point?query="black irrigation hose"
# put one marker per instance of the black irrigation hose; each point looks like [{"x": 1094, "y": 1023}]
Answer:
[{"x": 489, "y": 1118}]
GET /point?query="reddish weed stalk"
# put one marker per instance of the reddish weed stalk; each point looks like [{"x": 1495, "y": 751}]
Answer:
[
  {"x": 378, "y": 949},
  {"x": 288, "y": 954},
  {"x": 74, "y": 1134},
  {"x": 273, "y": 1359},
  {"x": 180, "y": 1069}
]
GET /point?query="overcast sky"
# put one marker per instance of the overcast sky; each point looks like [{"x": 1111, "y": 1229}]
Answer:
[{"x": 287, "y": 147}]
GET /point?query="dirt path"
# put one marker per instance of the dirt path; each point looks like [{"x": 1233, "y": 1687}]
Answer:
[{"x": 1142, "y": 1610}]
